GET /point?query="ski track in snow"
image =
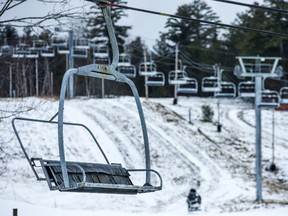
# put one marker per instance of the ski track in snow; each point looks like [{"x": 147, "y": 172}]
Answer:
[{"x": 178, "y": 151}]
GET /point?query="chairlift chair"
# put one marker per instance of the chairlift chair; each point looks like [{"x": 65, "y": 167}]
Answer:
[
  {"x": 6, "y": 50},
  {"x": 125, "y": 67},
  {"x": 246, "y": 89},
  {"x": 269, "y": 99},
  {"x": 157, "y": 79},
  {"x": 60, "y": 42},
  {"x": 48, "y": 52},
  {"x": 42, "y": 47},
  {"x": 210, "y": 84},
  {"x": 190, "y": 87},
  {"x": 284, "y": 95},
  {"x": 228, "y": 89},
  {"x": 23, "y": 50},
  {"x": 101, "y": 54},
  {"x": 80, "y": 49},
  {"x": 72, "y": 176},
  {"x": 98, "y": 40},
  {"x": 177, "y": 77},
  {"x": 39, "y": 45},
  {"x": 147, "y": 69},
  {"x": 79, "y": 52},
  {"x": 185, "y": 84}
]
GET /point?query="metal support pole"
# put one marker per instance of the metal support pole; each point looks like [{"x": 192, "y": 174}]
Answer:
[
  {"x": 273, "y": 136},
  {"x": 190, "y": 118},
  {"x": 10, "y": 81},
  {"x": 146, "y": 78},
  {"x": 37, "y": 77},
  {"x": 218, "y": 110},
  {"x": 51, "y": 84},
  {"x": 71, "y": 64},
  {"x": 176, "y": 70},
  {"x": 258, "y": 87}
]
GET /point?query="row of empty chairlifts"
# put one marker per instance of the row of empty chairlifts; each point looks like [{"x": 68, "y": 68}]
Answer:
[{"x": 80, "y": 49}]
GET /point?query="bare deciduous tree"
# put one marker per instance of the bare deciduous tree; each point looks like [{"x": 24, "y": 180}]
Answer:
[{"x": 55, "y": 10}]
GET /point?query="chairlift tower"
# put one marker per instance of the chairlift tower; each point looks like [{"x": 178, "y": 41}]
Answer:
[{"x": 260, "y": 68}]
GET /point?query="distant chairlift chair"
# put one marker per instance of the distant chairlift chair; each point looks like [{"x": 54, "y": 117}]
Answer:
[
  {"x": 80, "y": 49},
  {"x": 269, "y": 99},
  {"x": 210, "y": 84},
  {"x": 284, "y": 95},
  {"x": 6, "y": 50},
  {"x": 153, "y": 77},
  {"x": 246, "y": 89},
  {"x": 125, "y": 67},
  {"x": 23, "y": 50},
  {"x": 228, "y": 89},
  {"x": 157, "y": 79},
  {"x": 70, "y": 176},
  {"x": 101, "y": 54},
  {"x": 186, "y": 85},
  {"x": 147, "y": 69},
  {"x": 43, "y": 48},
  {"x": 60, "y": 42}
]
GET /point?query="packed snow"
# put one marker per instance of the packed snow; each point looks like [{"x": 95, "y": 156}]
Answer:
[{"x": 187, "y": 154}]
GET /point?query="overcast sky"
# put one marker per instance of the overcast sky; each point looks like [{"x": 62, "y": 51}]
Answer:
[{"x": 145, "y": 25}]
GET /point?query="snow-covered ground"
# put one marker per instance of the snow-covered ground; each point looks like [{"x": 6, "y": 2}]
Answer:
[{"x": 220, "y": 165}]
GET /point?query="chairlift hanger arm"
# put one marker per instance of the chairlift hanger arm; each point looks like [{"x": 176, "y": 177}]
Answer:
[{"x": 106, "y": 3}]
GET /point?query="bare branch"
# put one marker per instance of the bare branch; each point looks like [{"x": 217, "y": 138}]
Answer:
[{"x": 38, "y": 21}]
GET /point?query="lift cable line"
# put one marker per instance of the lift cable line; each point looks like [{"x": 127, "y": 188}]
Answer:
[
  {"x": 102, "y": 2},
  {"x": 276, "y": 10}
]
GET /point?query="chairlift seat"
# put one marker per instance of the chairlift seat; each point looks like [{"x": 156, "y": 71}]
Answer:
[
  {"x": 147, "y": 69},
  {"x": 269, "y": 99},
  {"x": 178, "y": 78},
  {"x": 284, "y": 95},
  {"x": 91, "y": 178},
  {"x": 6, "y": 50},
  {"x": 228, "y": 89},
  {"x": 157, "y": 79},
  {"x": 190, "y": 87},
  {"x": 246, "y": 89},
  {"x": 210, "y": 84},
  {"x": 127, "y": 70}
]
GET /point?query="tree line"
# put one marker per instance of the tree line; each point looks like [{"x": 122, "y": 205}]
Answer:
[{"x": 200, "y": 47}]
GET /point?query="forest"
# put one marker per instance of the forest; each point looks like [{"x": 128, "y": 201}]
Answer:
[{"x": 32, "y": 64}]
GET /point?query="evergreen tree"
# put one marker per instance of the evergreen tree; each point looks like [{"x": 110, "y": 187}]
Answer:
[
  {"x": 136, "y": 48},
  {"x": 278, "y": 23},
  {"x": 195, "y": 39},
  {"x": 9, "y": 35},
  {"x": 253, "y": 43},
  {"x": 192, "y": 33}
]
